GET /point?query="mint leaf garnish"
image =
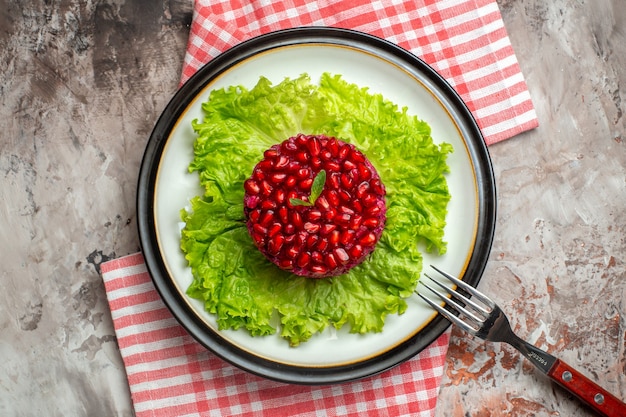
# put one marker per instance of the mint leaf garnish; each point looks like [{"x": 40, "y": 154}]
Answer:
[{"x": 316, "y": 190}]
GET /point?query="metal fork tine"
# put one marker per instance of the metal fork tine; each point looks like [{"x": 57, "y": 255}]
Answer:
[
  {"x": 451, "y": 317},
  {"x": 460, "y": 297},
  {"x": 482, "y": 297},
  {"x": 458, "y": 307}
]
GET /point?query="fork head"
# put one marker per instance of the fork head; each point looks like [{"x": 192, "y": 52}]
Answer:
[{"x": 476, "y": 316}]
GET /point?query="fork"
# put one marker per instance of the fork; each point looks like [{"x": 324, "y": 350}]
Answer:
[{"x": 484, "y": 319}]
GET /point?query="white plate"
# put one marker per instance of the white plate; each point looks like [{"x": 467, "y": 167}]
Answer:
[{"x": 166, "y": 186}]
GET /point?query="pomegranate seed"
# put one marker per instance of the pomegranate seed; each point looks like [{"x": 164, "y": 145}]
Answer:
[
  {"x": 368, "y": 239},
  {"x": 356, "y": 221},
  {"x": 364, "y": 173},
  {"x": 333, "y": 197},
  {"x": 255, "y": 215},
  {"x": 311, "y": 227},
  {"x": 371, "y": 222},
  {"x": 319, "y": 270},
  {"x": 282, "y": 162},
  {"x": 293, "y": 166},
  {"x": 302, "y": 157},
  {"x": 332, "y": 166},
  {"x": 330, "y": 214},
  {"x": 334, "y": 237},
  {"x": 317, "y": 257},
  {"x": 357, "y": 156},
  {"x": 274, "y": 229},
  {"x": 325, "y": 155},
  {"x": 311, "y": 241},
  {"x": 322, "y": 203},
  {"x": 327, "y": 229},
  {"x": 259, "y": 239},
  {"x": 291, "y": 181},
  {"x": 306, "y": 184},
  {"x": 369, "y": 200},
  {"x": 251, "y": 187},
  {"x": 373, "y": 211},
  {"x": 345, "y": 196},
  {"x": 334, "y": 180},
  {"x": 278, "y": 177},
  {"x": 296, "y": 219},
  {"x": 362, "y": 189},
  {"x": 303, "y": 173},
  {"x": 346, "y": 181},
  {"x": 289, "y": 229},
  {"x": 331, "y": 262},
  {"x": 280, "y": 196},
  {"x": 343, "y": 218},
  {"x": 322, "y": 245},
  {"x": 344, "y": 150},
  {"x": 266, "y": 218},
  {"x": 316, "y": 163},
  {"x": 333, "y": 146},
  {"x": 270, "y": 153},
  {"x": 268, "y": 204},
  {"x": 303, "y": 260},
  {"x": 313, "y": 145},
  {"x": 346, "y": 236},
  {"x": 259, "y": 229},
  {"x": 275, "y": 244},
  {"x": 292, "y": 252},
  {"x": 314, "y": 215},
  {"x": 356, "y": 251},
  {"x": 266, "y": 188},
  {"x": 348, "y": 165},
  {"x": 283, "y": 214},
  {"x": 286, "y": 264},
  {"x": 301, "y": 237},
  {"x": 346, "y": 210},
  {"x": 289, "y": 146},
  {"x": 252, "y": 202},
  {"x": 341, "y": 255},
  {"x": 377, "y": 186}
]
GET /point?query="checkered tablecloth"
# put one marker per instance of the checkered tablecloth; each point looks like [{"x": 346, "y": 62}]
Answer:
[{"x": 169, "y": 373}]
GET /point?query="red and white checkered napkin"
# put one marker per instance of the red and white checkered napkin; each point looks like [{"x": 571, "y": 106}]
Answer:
[
  {"x": 169, "y": 373},
  {"x": 463, "y": 40}
]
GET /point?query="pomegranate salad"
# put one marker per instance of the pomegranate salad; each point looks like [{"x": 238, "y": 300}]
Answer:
[{"x": 316, "y": 199}]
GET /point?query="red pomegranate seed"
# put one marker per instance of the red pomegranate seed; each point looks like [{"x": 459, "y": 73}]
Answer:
[
  {"x": 312, "y": 227},
  {"x": 346, "y": 236},
  {"x": 341, "y": 255},
  {"x": 356, "y": 251},
  {"x": 305, "y": 185},
  {"x": 251, "y": 187},
  {"x": 368, "y": 239},
  {"x": 303, "y": 173},
  {"x": 292, "y": 252},
  {"x": 303, "y": 260},
  {"x": 371, "y": 222},
  {"x": 266, "y": 218},
  {"x": 274, "y": 229},
  {"x": 331, "y": 262},
  {"x": 317, "y": 257},
  {"x": 329, "y": 230},
  {"x": 322, "y": 245},
  {"x": 291, "y": 181}
]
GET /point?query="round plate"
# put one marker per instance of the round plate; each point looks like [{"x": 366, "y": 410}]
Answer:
[{"x": 165, "y": 187}]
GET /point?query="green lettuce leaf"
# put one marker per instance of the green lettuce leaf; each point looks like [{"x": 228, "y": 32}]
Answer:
[{"x": 235, "y": 281}]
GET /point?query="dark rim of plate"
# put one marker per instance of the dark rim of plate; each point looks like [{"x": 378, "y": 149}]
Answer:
[{"x": 478, "y": 154}]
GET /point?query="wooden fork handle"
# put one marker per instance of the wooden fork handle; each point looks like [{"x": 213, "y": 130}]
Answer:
[{"x": 588, "y": 391}]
